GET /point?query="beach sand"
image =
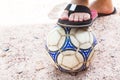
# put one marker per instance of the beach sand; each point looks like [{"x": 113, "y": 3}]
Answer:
[{"x": 22, "y": 47}]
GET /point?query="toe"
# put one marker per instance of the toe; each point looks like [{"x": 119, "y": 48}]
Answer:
[
  {"x": 64, "y": 15},
  {"x": 80, "y": 17},
  {"x": 71, "y": 17},
  {"x": 86, "y": 16},
  {"x": 76, "y": 17}
]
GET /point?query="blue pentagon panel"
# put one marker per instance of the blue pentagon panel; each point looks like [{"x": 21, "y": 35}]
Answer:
[
  {"x": 85, "y": 52},
  {"x": 68, "y": 45},
  {"x": 54, "y": 55}
]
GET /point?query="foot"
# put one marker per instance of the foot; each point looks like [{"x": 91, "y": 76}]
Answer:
[
  {"x": 105, "y": 9},
  {"x": 75, "y": 16}
]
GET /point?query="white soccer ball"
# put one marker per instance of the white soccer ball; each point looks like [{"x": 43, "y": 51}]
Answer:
[{"x": 71, "y": 49}]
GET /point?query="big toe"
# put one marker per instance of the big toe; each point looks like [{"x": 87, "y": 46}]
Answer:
[{"x": 64, "y": 15}]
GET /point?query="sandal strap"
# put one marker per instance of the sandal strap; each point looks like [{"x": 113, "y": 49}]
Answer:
[{"x": 72, "y": 8}]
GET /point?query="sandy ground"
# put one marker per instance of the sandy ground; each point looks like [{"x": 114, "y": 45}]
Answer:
[{"x": 23, "y": 56}]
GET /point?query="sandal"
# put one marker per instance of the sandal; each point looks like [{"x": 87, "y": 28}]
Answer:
[
  {"x": 73, "y": 8},
  {"x": 103, "y": 14}
]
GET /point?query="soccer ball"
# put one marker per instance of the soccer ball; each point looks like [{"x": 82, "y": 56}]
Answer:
[{"x": 71, "y": 49}]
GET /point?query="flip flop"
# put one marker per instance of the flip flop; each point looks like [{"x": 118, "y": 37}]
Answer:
[
  {"x": 73, "y": 8},
  {"x": 103, "y": 14}
]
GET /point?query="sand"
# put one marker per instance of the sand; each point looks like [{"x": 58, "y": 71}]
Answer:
[{"x": 23, "y": 54}]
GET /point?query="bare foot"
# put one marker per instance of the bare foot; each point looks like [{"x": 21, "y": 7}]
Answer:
[
  {"x": 75, "y": 16},
  {"x": 102, "y": 7}
]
